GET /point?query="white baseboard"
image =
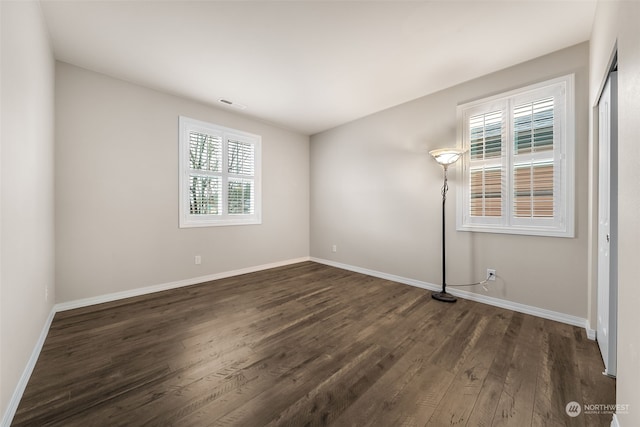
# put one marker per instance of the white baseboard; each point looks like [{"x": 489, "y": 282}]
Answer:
[
  {"x": 485, "y": 299},
  {"x": 85, "y": 302},
  {"x": 26, "y": 373},
  {"x": 591, "y": 333}
]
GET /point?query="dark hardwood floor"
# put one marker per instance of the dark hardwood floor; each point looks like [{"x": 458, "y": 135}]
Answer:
[{"x": 306, "y": 345}]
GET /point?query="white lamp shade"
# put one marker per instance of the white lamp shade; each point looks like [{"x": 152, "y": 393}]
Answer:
[{"x": 446, "y": 156}]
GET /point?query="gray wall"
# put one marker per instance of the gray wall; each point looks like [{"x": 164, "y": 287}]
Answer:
[
  {"x": 26, "y": 198},
  {"x": 117, "y": 191},
  {"x": 618, "y": 22},
  {"x": 375, "y": 193}
]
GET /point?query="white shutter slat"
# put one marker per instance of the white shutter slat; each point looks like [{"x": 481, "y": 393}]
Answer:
[
  {"x": 205, "y": 195},
  {"x": 486, "y": 135},
  {"x": 205, "y": 152},
  {"x": 533, "y": 126},
  {"x": 240, "y": 196},
  {"x": 241, "y": 158}
]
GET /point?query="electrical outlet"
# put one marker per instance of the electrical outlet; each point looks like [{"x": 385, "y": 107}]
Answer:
[
  {"x": 198, "y": 260},
  {"x": 491, "y": 274},
  {"x": 334, "y": 248}
]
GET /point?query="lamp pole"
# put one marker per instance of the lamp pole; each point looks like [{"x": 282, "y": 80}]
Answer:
[
  {"x": 444, "y": 296},
  {"x": 445, "y": 157}
]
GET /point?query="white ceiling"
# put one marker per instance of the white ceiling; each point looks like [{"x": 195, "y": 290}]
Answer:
[{"x": 310, "y": 65}]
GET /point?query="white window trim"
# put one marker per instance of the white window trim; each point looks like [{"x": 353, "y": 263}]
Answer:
[
  {"x": 563, "y": 225},
  {"x": 188, "y": 220}
]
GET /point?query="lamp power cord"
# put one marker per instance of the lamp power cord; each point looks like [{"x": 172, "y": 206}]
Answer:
[{"x": 483, "y": 283}]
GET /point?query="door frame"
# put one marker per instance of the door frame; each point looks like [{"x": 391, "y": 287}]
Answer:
[{"x": 607, "y": 290}]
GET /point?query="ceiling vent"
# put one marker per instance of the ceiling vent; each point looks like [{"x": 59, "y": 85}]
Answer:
[{"x": 231, "y": 104}]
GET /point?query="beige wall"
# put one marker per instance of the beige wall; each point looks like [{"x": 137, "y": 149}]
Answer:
[
  {"x": 117, "y": 191},
  {"x": 618, "y": 21},
  {"x": 27, "y": 206},
  {"x": 375, "y": 193}
]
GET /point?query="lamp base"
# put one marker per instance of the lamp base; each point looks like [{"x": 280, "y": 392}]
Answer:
[{"x": 444, "y": 297}]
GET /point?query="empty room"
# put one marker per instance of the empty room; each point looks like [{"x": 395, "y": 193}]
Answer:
[{"x": 296, "y": 213}]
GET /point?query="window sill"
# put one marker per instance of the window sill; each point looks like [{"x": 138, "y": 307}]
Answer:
[
  {"x": 518, "y": 230},
  {"x": 220, "y": 223}
]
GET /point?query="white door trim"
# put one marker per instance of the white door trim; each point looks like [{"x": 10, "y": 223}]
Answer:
[{"x": 607, "y": 225}]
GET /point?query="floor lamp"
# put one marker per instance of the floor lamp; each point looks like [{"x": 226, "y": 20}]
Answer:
[{"x": 446, "y": 157}]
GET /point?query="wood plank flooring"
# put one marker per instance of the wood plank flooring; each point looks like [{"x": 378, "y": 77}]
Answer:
[{"x": 307, "y": 345}]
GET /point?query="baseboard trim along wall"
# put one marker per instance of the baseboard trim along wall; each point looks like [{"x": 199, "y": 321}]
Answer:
[
  {"x": 509, "y": 305},
  {"x": 28, "y": 370}
]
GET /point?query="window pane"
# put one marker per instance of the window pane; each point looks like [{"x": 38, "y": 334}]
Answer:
[
  {"x": 486, "y": 135},
  {"x": 533, "y": 126},
  {"x": 205, "y": 194},
  {"x": 241, "y": 158},
  {"x": 205, "y": 152},
  {"x": 533, "y": 190},
  {"x": 486, "y": 192},
  {"x": 240, "y": 197}
]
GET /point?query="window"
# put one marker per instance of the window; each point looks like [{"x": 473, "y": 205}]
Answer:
[
  {"x": 219, "y": 175},
  {"x": 518, "y": 173}
]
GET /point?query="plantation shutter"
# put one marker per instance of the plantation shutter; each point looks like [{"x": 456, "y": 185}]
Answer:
[
  {"x": 241, "y": 184},
  {"x": 486, "y": 177},
  {"x": 518, "y": 170},
  {"x": 533, "y": 171},
  {"x": 205, "y": 167},
  {"x": 219, "y": 175}
]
